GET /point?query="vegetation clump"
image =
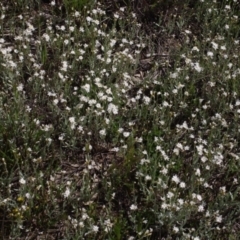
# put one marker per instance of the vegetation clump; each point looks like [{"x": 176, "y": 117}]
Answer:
[{"x": 119, "y": 119}]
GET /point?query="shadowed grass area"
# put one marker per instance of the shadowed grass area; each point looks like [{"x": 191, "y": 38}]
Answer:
[{"x": 119, "y": 119}]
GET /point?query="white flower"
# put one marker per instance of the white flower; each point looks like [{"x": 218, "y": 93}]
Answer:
[
  {"x": 200, "y": 149},
  {"x": 72, "y": 120},
  {"x": 85, "y": 216},
  {"x": 176, "y": 151},
  {"x": 112, "y": 42},
  {"x": 108, "y": 225},
  {"x": 116, "y": 15},
  {"x": 66, "y": 193},
  {"x": 196, "y": 238},
  {"x": 81, "y": 224},
  {"x": 219, "y": 219},
  {"x": 223, "y": 48},
  {"x": 175, "y": 229},
  {"x": 66, "y": 41},
  {"x": 199, "y": 197},
  {"x": 55, "y": 101},
  {"x": 200, "y": 208},
  {"x": 173, "y": 75},
  {"x": 214, "y": 45},
  {"x": 148, "y": 178},
  {"x": 170, "y": 195},
  {"x": 210, "y": 54},
  {"x": 195, "y": 49},
  {"x": 61, "y": 137},
  {"x": 131, "y": 238},
  {"x": 175, "y": 91},
  {"x": 165, "y": 104},
  {"x": 89, "y": 19},
  {"x": 198, "y": 172},
  {"x": 112, "y": 108},
  {"x": 22, "y": 181},
  {"x": 182, "y": 185},
  {"x": 180, "y": 201},
  {"x": 175, "y": 179},
  {"x": 237, "y": 103},
  {"x": 95, "y": 228},
  {"x": 109, "y": 91},
  {"x": 204, "y": 159},
  {"x": 102, "y": 132},
  {"x": 197, "y": 67},
  {"x": 109, "y": 99},
  {"x": 133, "y": 207},
  {"x": 120, "y": 130},
  {"x": 27, "y": 195},
  {"x": 20, "y": 87},
  {"x": 62, "y": 28},
  {"x": 228, "y": 7},
  {"x": 180, "y": 146},
  {"x": 86, "y": 87},
  {"x": 146, "y": 100},
  {"x": 164, "y": 205},
  {"x": 76, "y": 14},
  {"x": 126, "y": 134},
  {"x": 46, "y": 37}
]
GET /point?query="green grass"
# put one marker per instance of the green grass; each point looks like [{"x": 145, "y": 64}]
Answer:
[{"x": 119, "y": 120}]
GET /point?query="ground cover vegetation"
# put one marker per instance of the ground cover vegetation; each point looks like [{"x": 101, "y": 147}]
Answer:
[{"x": 119, "y": 119}]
